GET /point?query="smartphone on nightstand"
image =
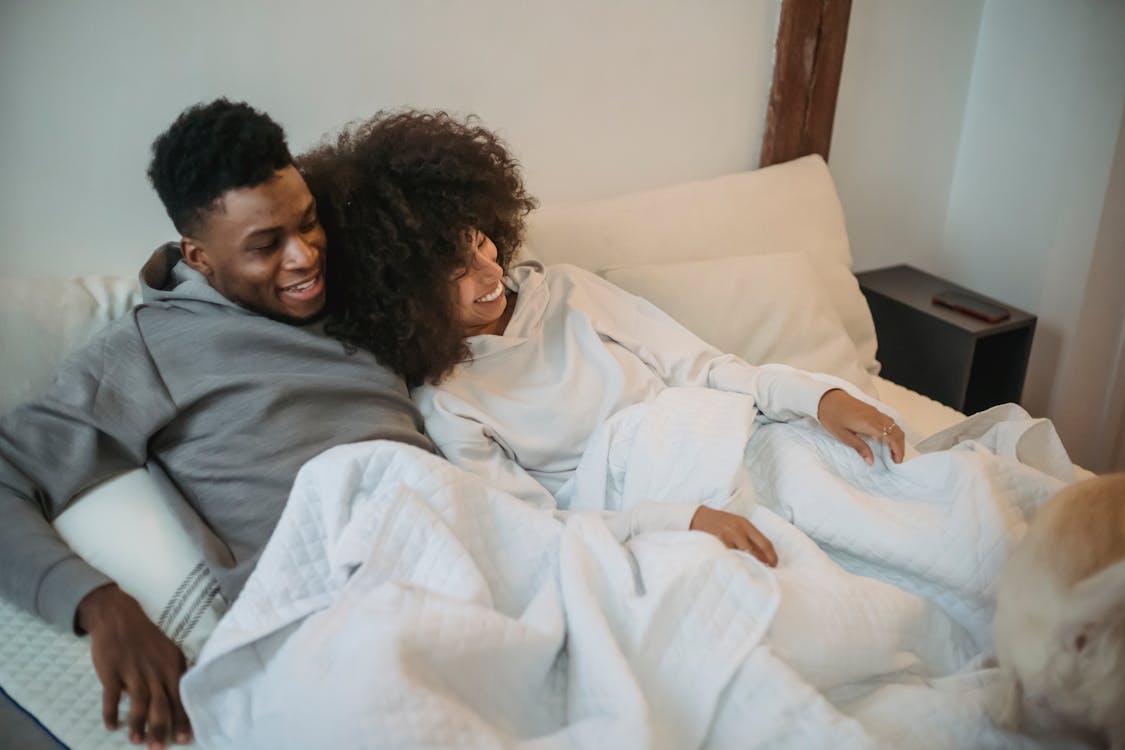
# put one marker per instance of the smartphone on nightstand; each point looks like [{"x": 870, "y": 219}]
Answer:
[{"x": 972, "y": 305}]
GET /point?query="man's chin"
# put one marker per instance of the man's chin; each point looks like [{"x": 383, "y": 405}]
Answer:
[
  {"x": 297, "y": 320},
  {"x": 287, "y": 318}
]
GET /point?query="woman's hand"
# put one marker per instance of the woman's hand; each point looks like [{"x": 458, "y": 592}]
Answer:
[
  {"x": 735, "y": 532},
  {"x": 850, "y": 420}
]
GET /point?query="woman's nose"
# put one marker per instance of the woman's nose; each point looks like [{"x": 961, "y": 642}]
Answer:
[{"x": 486, "y": 259}]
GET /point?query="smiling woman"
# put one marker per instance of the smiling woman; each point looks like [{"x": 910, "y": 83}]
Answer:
[
  {"x": 411, "y": 201},
  {"x": 483, "y": 303}
]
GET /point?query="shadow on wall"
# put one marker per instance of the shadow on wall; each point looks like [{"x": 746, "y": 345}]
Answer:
[
  {"x": 1042, "y": 368},
  {"x": 1088, "y": 403}
]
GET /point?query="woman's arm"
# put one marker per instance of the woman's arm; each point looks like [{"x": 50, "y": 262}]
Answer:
[
  {"x": 487, "y": 459},
  {"x": 680, "y": 358},
  {"x": 468, "y": 443},
  {"x": 780, "y": 392}
]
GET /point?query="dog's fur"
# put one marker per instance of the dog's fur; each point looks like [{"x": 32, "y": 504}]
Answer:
[{"x": 1060, "y": 615}]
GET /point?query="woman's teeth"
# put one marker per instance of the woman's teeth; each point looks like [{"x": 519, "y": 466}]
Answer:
[{"x": 492, "y": 295}]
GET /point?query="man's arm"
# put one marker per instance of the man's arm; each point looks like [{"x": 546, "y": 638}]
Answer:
[
  {"x": 94, "y": 422},
  {"x": 133, "y": 656}
]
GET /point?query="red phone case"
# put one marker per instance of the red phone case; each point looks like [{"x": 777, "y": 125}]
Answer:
[{"x": 979, "y": 309}]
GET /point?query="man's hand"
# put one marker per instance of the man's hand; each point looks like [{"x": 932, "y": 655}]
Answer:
[
  {"x": 735, "y": 532},
  {"x": 849, "y": 420},
  {"x": 132, "y": 655}
]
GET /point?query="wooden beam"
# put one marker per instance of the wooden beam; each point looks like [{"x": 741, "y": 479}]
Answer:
[{"x": 811, "y": 35}]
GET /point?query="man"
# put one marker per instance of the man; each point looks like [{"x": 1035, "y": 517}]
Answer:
[{"x": 224, "y": 376}]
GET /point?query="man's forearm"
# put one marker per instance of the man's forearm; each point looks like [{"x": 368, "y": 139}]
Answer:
[
  {"x": 38, "y": 571},
  {"x": 46, "y": 456}
]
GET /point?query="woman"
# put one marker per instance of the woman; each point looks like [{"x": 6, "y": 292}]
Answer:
[{"x": 515, "y": 366}]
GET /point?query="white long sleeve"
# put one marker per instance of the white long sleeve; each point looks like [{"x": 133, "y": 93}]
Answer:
[
  {"x": 480, "y": 455},
  {"x": 577, "y": 351},
  {"x": 681, "y": 358}
]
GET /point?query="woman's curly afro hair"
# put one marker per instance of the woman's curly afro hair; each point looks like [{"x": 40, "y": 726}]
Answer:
[{"x": 397, "y": 196}]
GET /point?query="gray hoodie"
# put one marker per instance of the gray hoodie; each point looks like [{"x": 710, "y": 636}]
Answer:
[{"x": 228, "y": 402}]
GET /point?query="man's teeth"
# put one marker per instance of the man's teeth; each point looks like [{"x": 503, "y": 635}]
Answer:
[
  {"x": 302, "y": 286},
  {"x": 495, "y": 293}
]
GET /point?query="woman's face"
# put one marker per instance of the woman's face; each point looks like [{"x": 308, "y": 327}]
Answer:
[{"x": 479, "y": 295}]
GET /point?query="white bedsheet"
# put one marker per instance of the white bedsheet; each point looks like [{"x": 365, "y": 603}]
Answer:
[
  {"x": 432, "y": 611},
  {"x": 403, "y": 603}
]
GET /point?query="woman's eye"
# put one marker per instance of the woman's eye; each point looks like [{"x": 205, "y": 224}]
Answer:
[
  {"x": 309, "y": 226},
  {"x": 271, "y": 245}
]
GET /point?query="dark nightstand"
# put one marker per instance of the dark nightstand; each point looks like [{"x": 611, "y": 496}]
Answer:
[{"x": 947, "y": 355}]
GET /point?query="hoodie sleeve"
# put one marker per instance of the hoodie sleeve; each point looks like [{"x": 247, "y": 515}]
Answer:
[
  {"x": 486, "y": 459},
  {"x": 680, "y": 358},
  {"x": 467, "y": 444},
  {"x": 95, "y": 421}
]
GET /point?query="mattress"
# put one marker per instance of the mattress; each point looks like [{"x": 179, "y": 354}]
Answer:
[
  {"x": 921, "y": 416},
  {"x": 48, "y": 672}
]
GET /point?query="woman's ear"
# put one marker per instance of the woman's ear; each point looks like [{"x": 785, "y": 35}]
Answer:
[{"x": 195, "y": 256}]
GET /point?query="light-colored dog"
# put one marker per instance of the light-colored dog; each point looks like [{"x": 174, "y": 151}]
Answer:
[{"x": 1060, "y": 615}]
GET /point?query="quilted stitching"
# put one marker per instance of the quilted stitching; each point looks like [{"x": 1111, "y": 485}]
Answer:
[
  {"x": 50, "y": 674},
  {"x": 440, "y": 604}
]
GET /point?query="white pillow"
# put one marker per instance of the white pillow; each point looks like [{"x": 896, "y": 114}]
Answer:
[
  {"x": 137, "y": 529},
  {"x": 764, "y": 308},
  {"x": 41, "y": 319},
  {"x": 791, "y": 207}
]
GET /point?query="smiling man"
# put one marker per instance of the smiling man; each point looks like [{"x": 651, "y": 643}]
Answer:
[
  {"x": 224, "y": 377},
  {"x": 263, "y": 248}
]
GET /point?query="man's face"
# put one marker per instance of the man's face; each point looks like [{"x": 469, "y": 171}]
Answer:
[{"x": 263, "y": 248}]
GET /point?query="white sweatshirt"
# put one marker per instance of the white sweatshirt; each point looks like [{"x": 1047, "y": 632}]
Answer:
[{"x": 576, "y": 351}]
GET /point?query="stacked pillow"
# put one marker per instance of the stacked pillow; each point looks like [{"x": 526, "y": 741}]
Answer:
[
  {"x": 756, "y": 263},
  {"x": 137, "y": 529},
  {"x": 764, "y": 308}
]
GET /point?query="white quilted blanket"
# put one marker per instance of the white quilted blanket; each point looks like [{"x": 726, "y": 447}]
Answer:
[{"x": 403, "y": 603}]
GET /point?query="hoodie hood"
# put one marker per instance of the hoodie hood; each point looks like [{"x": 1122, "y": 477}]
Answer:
[
  {"x": 166, "y": 278},
  {"x": 526, "y": 278}
]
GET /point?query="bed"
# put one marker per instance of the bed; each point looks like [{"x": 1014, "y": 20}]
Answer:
[{"x": 756, "y": 263}]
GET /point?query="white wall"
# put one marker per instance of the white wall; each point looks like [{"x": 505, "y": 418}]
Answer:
[
  {"x": 898, "y": 125},
  {"x": 975, "y": 140},
  {"x": 595, "y": 97},
  {"x": 1029, "y": 193}
]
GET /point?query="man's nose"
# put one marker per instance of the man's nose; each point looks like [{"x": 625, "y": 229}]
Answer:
[{"x": 300, "y": 253}]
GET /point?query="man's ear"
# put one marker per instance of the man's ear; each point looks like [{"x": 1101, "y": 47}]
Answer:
[{"x": 196, "y": 256}]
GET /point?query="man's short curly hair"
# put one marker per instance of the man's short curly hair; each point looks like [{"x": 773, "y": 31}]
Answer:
[
  {"x": 210, "y": 149},
  {"x": 397, "y": 196}
]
